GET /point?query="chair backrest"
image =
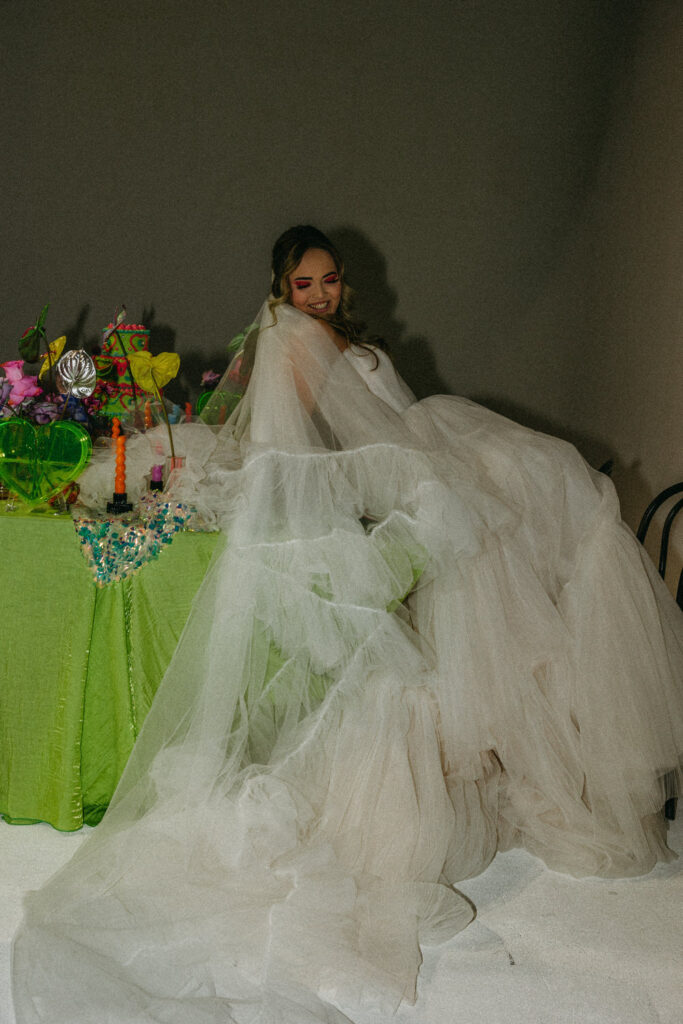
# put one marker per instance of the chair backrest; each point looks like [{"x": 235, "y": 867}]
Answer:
[{"x": 648, "y": 515}]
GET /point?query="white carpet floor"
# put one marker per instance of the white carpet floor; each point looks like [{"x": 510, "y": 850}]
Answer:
[{"x": 544, "y": 948}]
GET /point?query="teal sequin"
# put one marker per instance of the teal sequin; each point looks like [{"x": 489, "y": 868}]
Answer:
[{"x": 118, "y": 546}]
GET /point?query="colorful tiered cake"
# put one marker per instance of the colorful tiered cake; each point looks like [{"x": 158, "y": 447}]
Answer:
[{"x": 113, "y": 368}]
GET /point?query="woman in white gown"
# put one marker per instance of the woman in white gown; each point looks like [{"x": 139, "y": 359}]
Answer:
[{"x": 428, "y": 637}]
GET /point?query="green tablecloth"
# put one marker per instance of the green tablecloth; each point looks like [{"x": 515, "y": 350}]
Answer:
[{"x": 80, "y": 665}]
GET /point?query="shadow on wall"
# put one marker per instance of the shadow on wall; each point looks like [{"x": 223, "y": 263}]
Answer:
[
  {"x": 194, "y": 362},
  {"x": 376, "y": 303},
  {"x": 365, "y": 268},
  {"x": 162, "y": 337},
  {"x": 78, "y": 337}
]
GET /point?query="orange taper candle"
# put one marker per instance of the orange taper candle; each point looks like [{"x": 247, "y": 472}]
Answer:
[
  {"x": 120, "y": 479},
  {"x": 148, "y": 415}
]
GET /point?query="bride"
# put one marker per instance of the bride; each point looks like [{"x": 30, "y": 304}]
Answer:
[{"x": 428, "y": 637}]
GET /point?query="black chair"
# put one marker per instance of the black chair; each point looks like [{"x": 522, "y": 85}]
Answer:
[{"x": 655, "y": 504}]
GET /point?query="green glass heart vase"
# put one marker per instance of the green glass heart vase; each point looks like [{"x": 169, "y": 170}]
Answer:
[{"x": 37, "y": 462}]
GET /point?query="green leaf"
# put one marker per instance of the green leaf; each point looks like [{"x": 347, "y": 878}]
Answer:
[
  {"x": 41, "y": 319},
  {"x": 31, "y": 343},
  {"x": 236, "y": 343}
]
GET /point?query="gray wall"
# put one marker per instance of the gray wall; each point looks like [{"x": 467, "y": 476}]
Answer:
[{"x": 476, "y": 160}]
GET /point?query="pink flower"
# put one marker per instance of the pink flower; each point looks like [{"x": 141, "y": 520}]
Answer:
[
  {"x": 14, "y": 369},
  {"x": 22, "y": 386}
]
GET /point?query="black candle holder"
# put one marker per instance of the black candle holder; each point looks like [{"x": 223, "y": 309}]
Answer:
[{"x": 119, "y": 503}]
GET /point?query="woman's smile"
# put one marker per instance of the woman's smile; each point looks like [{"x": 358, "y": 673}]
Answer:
[{"x": 316, "y": 285}]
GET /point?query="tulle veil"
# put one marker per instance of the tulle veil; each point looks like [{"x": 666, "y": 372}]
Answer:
[{"x": 405, "y": 656}]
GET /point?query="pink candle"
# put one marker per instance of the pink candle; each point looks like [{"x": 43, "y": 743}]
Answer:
[{"x": 157, "y": 480}]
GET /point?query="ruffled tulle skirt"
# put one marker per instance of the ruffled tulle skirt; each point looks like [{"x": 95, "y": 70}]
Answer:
[{"x": 403, "y": 661}]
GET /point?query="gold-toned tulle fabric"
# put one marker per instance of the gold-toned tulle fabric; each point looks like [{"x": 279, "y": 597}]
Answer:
[{"x": 429, "y": 637}]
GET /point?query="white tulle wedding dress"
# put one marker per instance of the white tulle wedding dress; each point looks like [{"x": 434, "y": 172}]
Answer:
[{"x": 428, "y": 637}]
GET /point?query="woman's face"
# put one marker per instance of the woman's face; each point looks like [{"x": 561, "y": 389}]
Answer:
[{"x": 316, "y": 285}]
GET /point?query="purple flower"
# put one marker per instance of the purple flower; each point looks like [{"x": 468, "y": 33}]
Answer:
[
  {"x": 44, "y": 412},
  {"x": 210, "y": 378}
]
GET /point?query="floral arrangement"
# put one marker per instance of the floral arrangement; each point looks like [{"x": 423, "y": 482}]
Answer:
[
  {"x": 22, "y": 395},
  {"x": 46, "y": 416},
  {"x": 36, "y": 396}
]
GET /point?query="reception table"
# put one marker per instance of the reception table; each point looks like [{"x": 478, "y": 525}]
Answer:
[{"x": 80, "y": 664}]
